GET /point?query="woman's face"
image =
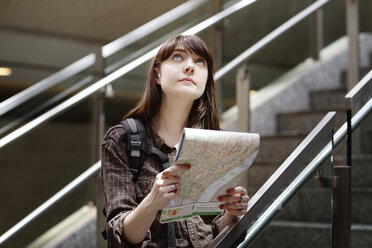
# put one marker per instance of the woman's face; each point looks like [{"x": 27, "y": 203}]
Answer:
[{"x": 183, "y": 75}]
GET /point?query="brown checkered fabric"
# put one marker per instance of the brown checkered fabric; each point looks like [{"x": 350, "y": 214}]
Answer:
[{"x": 122, "y": 195}]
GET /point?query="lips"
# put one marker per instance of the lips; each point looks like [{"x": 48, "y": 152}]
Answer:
[{"x": 188, "y": 80}]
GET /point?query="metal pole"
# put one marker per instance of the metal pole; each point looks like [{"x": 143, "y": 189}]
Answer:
[
  {"x": 341, "y": 219},
  {"x": 352, "y": 30},
  {"x": 317, "y": 34},
  {"x": 216, "y": 45},
  {"x": 348, "y": 137},
  {"x": 98, "y": 128},
  {"x": 242, "y": 98}
]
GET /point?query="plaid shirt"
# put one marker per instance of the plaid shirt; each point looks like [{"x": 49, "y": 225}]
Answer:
[{"x": 122, "y": 195}]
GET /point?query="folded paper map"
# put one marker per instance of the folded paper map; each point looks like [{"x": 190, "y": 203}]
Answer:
[{"x": 218, "y": 160}]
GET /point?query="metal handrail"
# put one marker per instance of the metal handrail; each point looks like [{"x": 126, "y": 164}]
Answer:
[
  {"x": 352, "y": 98},
  {"x": 150, "y": 27},
  {"x": 269, "y": 213},
  {"x": 126, "y": 59},
  {"x": 47, "y": 83},
  {"x": 115, "y": 75},
  {"x": 359, "y": 91},
  {"x": 46, "y": 104},
  {"x": 107, "y": 51}
]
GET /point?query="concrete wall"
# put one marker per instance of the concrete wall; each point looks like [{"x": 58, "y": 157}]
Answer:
[{"x": 290, "y": 92}]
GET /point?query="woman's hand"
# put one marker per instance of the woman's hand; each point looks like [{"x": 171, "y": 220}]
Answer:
[
  {"x": 166, "y": 186},
  {"x": 236, "y": 201}
]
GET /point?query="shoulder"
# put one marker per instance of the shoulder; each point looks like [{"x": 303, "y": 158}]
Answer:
[{"x": 114, "y": 135}]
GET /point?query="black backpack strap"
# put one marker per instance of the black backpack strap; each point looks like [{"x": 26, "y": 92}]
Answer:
[
  {"x": 136, "y": 139},
  {"x": 161, "y": 155}
]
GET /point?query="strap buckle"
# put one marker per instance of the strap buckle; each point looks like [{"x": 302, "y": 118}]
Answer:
[{"x": 135, "y": 148}]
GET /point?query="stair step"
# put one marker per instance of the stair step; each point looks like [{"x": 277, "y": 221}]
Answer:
[
  {"x": 328, "y": 99},
  {"x": 258, "y": 173},
  {"x": 362, "y": 72},
  {"x": 275, "y": 149},
  {"x": 314, "y": 205},
  {"x": 361, "y": 174},
  {"x": 305, "y": 121},
  {"x": 301, "y": 234}
]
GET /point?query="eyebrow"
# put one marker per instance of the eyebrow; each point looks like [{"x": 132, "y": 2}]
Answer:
[{"x": 180, "y": 50}]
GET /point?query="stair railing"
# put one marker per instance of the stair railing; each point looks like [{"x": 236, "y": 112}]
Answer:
[
  {"x": 240, "y": 59},
  {"x": 341, "y": 224},
  {"x": 39, "y": 87},
  {"x": 118, "y": 73},
  {"x": 107, "y": 51},
  {"x": 51, "y": 201},
  {"x": 150, "y": 27},
  {"x": 269, "y": 191},
  {"x": 354, "y": 97},
  {"x": 88, "y": 61},
  {"x": 147, "y": 29}
]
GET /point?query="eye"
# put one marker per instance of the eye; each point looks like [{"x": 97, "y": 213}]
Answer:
[
  {"x": 200, "y": 61},
  {"x": 177, "y": 56}
]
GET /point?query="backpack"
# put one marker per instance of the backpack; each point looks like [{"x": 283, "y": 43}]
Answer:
[{"x": 135, "y": 138}]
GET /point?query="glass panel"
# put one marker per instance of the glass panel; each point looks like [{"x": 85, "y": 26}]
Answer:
[
  {"x": 306, "y": 217},
  {"x": 305, "y": 221},
  {"x": 37, "y": 165},
  {"x": 361, "y": 203}
]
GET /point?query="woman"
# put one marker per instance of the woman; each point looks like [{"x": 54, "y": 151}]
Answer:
[{"x": 180, "y": 92}]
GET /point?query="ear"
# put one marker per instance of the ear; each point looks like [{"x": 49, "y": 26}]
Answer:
[{"x": 157, "y": 76}]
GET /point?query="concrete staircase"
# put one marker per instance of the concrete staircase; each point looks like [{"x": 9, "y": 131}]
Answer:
[{"x": 305, "y": 221}]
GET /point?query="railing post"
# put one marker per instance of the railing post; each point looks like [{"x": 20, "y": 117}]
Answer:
[
  {"x": 317, "y": 33},
  {"x": 98, "y": 128},
  {"x": 352, "y": 30},
  {"x": 341, "y": 219},
  {"x": 216, "y": 45},
  {"x": 242, "y": 98}
]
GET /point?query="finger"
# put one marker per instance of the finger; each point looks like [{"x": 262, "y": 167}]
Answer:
[
  {"x": 177, "y": 168},
  {"x": 162, "y": 180},
  {"x": 237, "y": 206},
  {"x": 237, "y": 212},
  {"x": 233, "y": 198},
  {"x": 169, "y": 188},
  {"x": 237, "y": 190},
  {"x": 240, "y": 190},
  {"x": 244, "y": 198}
]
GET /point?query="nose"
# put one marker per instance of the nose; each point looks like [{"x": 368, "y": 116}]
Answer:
[{"x": 189, "y": 66}]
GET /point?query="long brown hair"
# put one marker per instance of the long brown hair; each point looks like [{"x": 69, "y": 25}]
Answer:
[{"x": 204, "y": 112}]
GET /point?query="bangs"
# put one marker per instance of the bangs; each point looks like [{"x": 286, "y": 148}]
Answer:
[{"x": 191, "y": 44}]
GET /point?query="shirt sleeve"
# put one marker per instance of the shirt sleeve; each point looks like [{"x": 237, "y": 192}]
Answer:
[
  {"x": 118, "y": 187},
  {"x": 214, "y": 222}
]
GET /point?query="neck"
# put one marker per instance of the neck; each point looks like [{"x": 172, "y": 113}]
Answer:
[{"x": 171, "y": 119}]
